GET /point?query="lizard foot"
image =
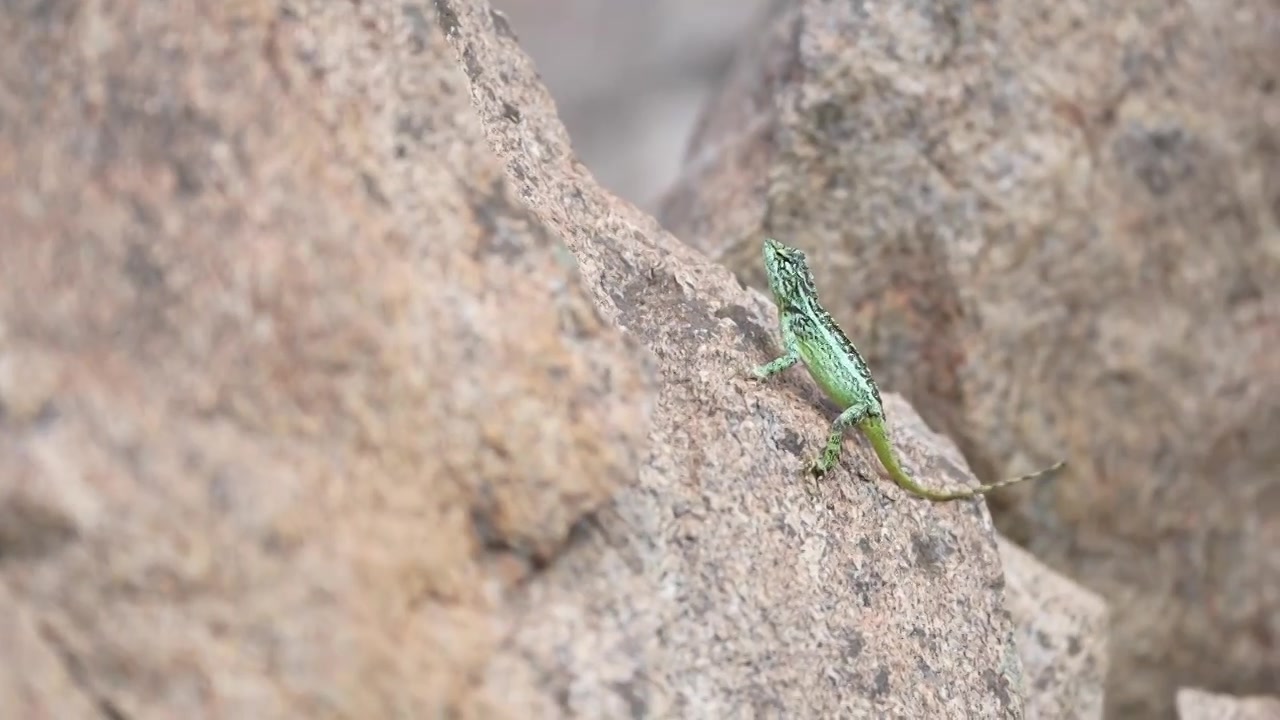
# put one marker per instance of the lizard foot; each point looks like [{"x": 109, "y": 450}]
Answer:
[
  {"x": 817, "y": 468},
  {"x": 813, "y": 473}
]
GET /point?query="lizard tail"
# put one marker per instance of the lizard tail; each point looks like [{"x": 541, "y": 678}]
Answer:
[
  {"x": 874, "y": 428},
  {"x": 1023, "y": 478}
]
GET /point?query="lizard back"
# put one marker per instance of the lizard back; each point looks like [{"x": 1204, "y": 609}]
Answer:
[
  {"x": 834, "y": 361},
  {"x": 831, "y": 358}
]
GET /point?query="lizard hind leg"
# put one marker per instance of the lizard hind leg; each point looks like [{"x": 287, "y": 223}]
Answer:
[{"x": 830, "y": 455}]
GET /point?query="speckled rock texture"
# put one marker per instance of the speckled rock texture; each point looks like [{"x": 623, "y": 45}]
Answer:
[
  {"x": 293, "y": 388},
  {"x": 332, "y": 386},
  {"x": 1200, "y": 705},
  {"x": 1053, "y": 226},
  {"x": 1062, "y": 638}
]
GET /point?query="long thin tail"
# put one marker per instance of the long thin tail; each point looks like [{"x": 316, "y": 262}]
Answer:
[
  {"x": 982, "y": 490},
  {"x": 873, "y": 427}
]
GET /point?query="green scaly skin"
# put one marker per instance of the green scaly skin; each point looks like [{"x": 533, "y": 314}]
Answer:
[{"x": 810, "y": 335}]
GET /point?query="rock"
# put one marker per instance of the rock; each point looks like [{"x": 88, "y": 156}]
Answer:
[
  {"x": 1053, "y": 227},
  {"x": 36, "y": 682},
  {"x": 307, "y": 411},
  {"x": 293, "y": 388},
  {"x": 1196, "y": 704},
  {"x": 635, "y": 70},
  {"x": 716, "y": 587},
  {"x": 1062, "y": 638}
]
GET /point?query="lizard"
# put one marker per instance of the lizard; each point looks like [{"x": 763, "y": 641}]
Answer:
[{"x": 811, "y": 336}]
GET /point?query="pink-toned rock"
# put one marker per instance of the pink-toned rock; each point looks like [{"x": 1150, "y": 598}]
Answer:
[
  {"x": 38, "y": 679},
  {"x": 1053, "y": 227},
  {"x": 293, "y": 388},
  {"x": 1200, "y": 705},
  {"x": 630, "y": 78},
  {"x": 1062, "y": 639},
  {"x": 307, "y": 413}
]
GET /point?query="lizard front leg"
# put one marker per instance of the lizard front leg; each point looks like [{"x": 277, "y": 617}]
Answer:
[
  {"x": 790, "y": 346},
  {"x": 768, "y": 370}
]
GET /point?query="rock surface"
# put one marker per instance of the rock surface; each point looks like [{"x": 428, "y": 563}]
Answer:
[
  {"x": 1055, "y": 227},
  {"x": 293, "y": 388},
  {"x": 307, "y": 412},
  {"x": 1062, "y": 638},
  {"x": 1200, "y": 705},
  {"x": 818, "y": 615},
  {"x": 630, "y": 78}
]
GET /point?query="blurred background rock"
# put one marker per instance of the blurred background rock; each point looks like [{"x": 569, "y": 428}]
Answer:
[{"x": 630, "y": 77}]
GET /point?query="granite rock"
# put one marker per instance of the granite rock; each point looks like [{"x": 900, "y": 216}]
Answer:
[
  {"x": 294, "y": 390},
  {"x": 1196, "y": 704},
  {"x": 332, "y": 385},
  {"x": 1061, "y": 630},
  {"x": 1053, "y": 227}
]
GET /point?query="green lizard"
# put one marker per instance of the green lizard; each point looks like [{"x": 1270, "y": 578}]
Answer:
[{"x": 811, "y": 335}]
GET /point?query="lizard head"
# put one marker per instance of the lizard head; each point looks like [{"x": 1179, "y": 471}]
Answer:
[{"x": 788, "y": 271}]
